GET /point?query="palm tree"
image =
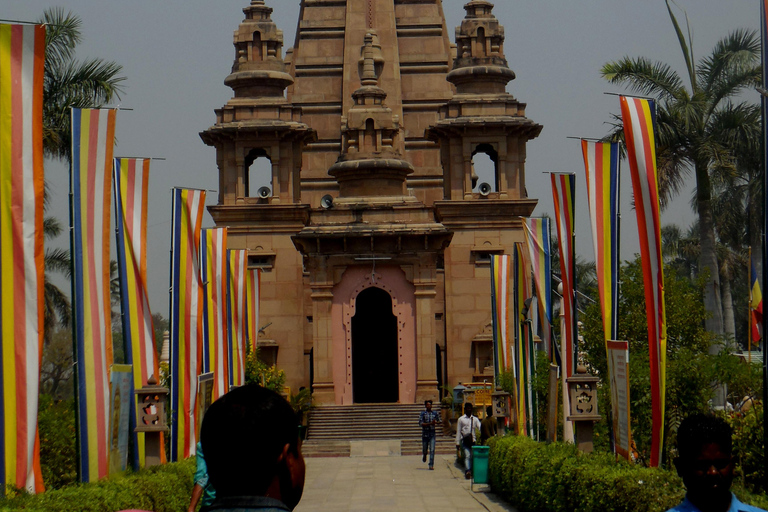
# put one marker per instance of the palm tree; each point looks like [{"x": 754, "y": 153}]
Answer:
[
  {"x": 690, "y": 119},
  {"x": 57, "y": 309},
  {"x": 67, "y": 82}
]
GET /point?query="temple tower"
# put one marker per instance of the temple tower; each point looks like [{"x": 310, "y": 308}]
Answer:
[
  {"x": 482, "y": 117},
  {"x": 369, "y": 220},
  {"x": 259, "y": 139}
]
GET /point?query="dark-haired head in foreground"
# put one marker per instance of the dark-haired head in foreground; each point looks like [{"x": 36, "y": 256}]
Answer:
[
  {"x": 251, "y": 442},
  {"x": 706, "y": 463}
]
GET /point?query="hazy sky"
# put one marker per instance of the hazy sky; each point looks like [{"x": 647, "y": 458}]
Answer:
[{"x": 176, "y": 54}]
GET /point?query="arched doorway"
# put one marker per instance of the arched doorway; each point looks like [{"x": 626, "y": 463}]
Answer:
[{"x": 374, "y": 348}]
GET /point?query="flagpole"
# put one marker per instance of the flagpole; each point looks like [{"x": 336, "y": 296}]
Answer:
[
  {"x": 615, "y": 305},
  {"x": 764, "y": 254},
  {"x": 73, "y": 303}
]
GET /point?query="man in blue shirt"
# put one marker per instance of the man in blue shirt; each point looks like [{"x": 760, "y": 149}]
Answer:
[
  {"x": 705, "y": 464},
  {"x": 202, "y": 488},
  {"x": 428, "y": 421}
]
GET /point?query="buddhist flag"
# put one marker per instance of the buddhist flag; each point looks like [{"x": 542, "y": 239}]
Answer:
[
  {"x": 563, "y": 192},
  {"x": 186, "y": 319},
  {"x": 22, "y": 58},
  {"x": 93, "y": 137},
  {"x": 537, "y": 239},
  {"x": 524, "y": 351},
  {"x": 601, "y": 165},
  {"x": 131, "y": 177},
  {"x": 252, "y": 296},
  {"x": 755, "y": 307},
  {"x": 215, "y": 345},
  {"x": 638, "y": 117},
  {"x": 502, "y": 300},
  {"x": 238, "y": 267}
]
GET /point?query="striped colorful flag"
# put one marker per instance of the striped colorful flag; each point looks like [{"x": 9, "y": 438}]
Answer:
[
  {"x": 93, "y": 137},
  {"x": 186, "y": 319},
  {"x": 131, "y": 177},
  {"x": 563, "y": 192},
  {"x": 22, "y": 59},
  {"x": 638, "y": 117},
  {"x": 601, "y": 165},
  {"x": 237, "y": 270},
  {"x": 253, "y": 295},
  {"x": 502, "y": 300},
  {"x": 537, "y": 239},
  {"x": 755, "y": 307},
  {"x": 524, "y": 350},
  {"x": 215, "y": 345}
]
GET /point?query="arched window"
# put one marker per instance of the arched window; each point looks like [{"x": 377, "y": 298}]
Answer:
[
  {"x": 256, "y": 55},
  {"x": 485, "y": 168},
  {"x": 258, "y": 173},
  {"x": 370, "y": 136},
  {"x": 481, "y": 52}
]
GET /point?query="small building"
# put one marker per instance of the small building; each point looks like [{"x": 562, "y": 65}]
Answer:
[{"x": 347, "y": 170}]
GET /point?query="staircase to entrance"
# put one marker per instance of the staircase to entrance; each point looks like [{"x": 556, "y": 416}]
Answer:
[{"x": 335, "y": 429}]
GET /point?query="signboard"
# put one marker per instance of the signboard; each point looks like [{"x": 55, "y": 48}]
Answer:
[
  {"x": 618, "y": 373},
  {"x": 119, "y": 416},
  {"x": 204, "y": 397}
]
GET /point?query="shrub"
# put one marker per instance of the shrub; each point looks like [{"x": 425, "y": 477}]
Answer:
[
  {"x": 163, "y": 488},
  {"x": 556, "y": 477},
  {"x": 58, "y": 455}
]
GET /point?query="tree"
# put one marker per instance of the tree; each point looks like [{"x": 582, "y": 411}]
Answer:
[
  {"x": 70, "y": 83},
  {"x": 691, "y": 121},
  {"x": 57, "y": 309},
  {"x": 693, "y": 374},
  {"x": 67, "y": 82}
]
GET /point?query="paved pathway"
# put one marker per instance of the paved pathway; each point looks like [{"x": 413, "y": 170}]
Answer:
[{"x": 391, "y": 483}]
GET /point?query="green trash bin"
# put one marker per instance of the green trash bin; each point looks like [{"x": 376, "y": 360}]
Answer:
[{"x": 480, "y": 464}]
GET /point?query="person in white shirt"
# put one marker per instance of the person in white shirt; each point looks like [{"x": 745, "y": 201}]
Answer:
[{"x": 466, "y": 436}]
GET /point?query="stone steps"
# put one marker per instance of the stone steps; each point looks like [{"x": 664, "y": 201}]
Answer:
[{"x": 333, "y": 429}]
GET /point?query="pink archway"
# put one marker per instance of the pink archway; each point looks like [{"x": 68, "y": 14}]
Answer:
[{"x": 392, "y": 280}]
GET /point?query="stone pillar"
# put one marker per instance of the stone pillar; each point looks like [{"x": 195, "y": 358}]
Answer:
[
  {"x": 426, "y": 372},
  {"x": 322, "y": 302}
]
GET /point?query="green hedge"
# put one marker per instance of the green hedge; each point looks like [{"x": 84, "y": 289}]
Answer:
[
  {"x": 539, "y": 477},
  {"x": 164, "y": 488}
]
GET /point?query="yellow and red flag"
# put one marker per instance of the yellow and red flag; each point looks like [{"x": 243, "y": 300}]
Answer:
[
  {"x": 93, "y": 138},
  {"x": 238, "y": 267},
  {"x": 601, "y": 166},
  {"x": 22, "y": 59},
  {"x": 186, "y": 319},
  {"x": 563, "y": 192},
  {"x": 755, "y": 307},
  {"x": 215, "y": 344},
  {"x": 502, "y": 302},
  {"x": 253, "y": 294},
  {"x": 638, "y": 117},
  {"x": 131, "y": 177}
]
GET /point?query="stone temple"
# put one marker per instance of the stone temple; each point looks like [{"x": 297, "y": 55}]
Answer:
[{"x": 347, "y": 170}]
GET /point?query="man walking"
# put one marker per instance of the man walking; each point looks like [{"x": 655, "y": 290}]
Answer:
[
  {"x": 488, "y": 427},
  {"x": 466, "y": 437},
  {"x": 428, "y": 421}
]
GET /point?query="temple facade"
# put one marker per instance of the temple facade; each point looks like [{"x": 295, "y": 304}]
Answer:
[{"x": 347, "y": 170}]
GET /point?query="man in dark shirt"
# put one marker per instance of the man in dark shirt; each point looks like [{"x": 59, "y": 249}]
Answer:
[
  {"x": 428, "y": 421},
  {"x": 488, "y": 427},
  {"x": 250, "y": 437}
]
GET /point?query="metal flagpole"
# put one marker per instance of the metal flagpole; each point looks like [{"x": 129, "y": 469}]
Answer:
[
  {"x": 73, "y": 303},
  {"x": 764, "y": 105}
]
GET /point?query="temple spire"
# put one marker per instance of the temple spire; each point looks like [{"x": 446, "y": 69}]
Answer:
[{"x": 370, "y": 163}]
